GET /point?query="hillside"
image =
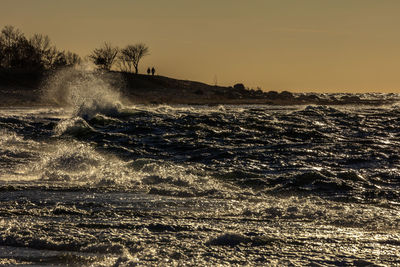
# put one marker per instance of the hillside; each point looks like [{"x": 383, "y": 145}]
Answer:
[
  {"x": 23, "y": 88},
  {"x": 159, "y": 89}
]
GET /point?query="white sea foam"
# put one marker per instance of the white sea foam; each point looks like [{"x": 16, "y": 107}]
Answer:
[{"x": 7, "y": 137}]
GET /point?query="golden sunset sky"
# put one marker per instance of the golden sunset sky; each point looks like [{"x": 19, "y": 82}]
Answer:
[{"x": 296, "y": 45}]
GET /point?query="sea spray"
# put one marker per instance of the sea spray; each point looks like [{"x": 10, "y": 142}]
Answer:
[{"x": 84, "y": 92}]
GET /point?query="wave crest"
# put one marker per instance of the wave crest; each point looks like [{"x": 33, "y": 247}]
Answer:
[{"x": 87, "y": 93}]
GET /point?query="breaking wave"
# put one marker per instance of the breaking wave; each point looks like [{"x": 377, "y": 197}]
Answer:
[{"x": 85, "y": 92}]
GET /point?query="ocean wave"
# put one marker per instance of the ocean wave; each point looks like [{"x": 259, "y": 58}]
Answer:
[
  {"x": 75, "y": 126},
  {"x": 82, "y": 91}
]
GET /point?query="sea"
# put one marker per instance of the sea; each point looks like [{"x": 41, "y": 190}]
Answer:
[{"x": 98, "y": 182}]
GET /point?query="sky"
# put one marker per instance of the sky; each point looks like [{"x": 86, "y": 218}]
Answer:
[{"x": 296, "y": 45}]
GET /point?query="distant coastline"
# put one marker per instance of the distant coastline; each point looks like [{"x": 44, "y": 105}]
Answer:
[
  {"x": 19, "y": 88},
  {"x": 27, "y": 63}
]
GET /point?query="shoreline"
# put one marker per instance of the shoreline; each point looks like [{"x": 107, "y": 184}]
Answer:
[{"x": 24, "y": 89}]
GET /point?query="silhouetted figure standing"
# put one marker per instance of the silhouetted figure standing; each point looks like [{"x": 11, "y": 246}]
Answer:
[
  {"x": 148, "y": 71},
  {"x": 153, "y": 70}
]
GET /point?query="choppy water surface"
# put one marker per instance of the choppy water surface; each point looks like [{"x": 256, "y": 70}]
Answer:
[{"x": 257, "y": 185}]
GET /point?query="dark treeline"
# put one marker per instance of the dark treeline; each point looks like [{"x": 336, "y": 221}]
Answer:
[
  {"x": 33, "y": 53},
  {"x": 37, "y": 53}
]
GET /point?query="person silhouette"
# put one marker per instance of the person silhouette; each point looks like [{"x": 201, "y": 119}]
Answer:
[
  {"x": 153, "y": 70},
  {"x": 148, "y": 71}
]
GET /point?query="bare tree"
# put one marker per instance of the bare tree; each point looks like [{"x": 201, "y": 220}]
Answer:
[
  {"x": 124, "y": 62},
  {"x": 131, "y": 55},
  {"x": 10, "y": 36},
  {"x": 11, "y": 40},
  {"x": 104, "y": 56},
  {"x": 72, "y": 58},
  {"x": 51, "y": 57},
  {"x": 36, "y": 53},
  {"x": 2, "y": 52},
  {"x": 42, "y": 44},
  {"x": 17, "y": 51}
]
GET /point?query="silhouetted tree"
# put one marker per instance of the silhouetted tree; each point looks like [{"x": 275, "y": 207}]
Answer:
[
  {"x": 132, "y": 54},
  {"x": 37, "y": 52},
  {"x": 42, "y": 45},
  {"x": 17, "y": 52},
  {"x": 10, "y": 39},
  {"x": 59, "y": 60},
  {"x": 72, "y": 58},
  {"x": 66, "y": 59},
  {"x": 2, "y": 53},
  {"x": 51, "y": 57},
  {"x": 26, "y": 57},
  {"x": 104, "y": 56},
  {"x": 124, "y": 61},
  {"x": 40, "y": 42}
]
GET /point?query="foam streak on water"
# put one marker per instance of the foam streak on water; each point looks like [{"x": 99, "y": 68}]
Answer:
[{"x": 161, "y": 185}]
